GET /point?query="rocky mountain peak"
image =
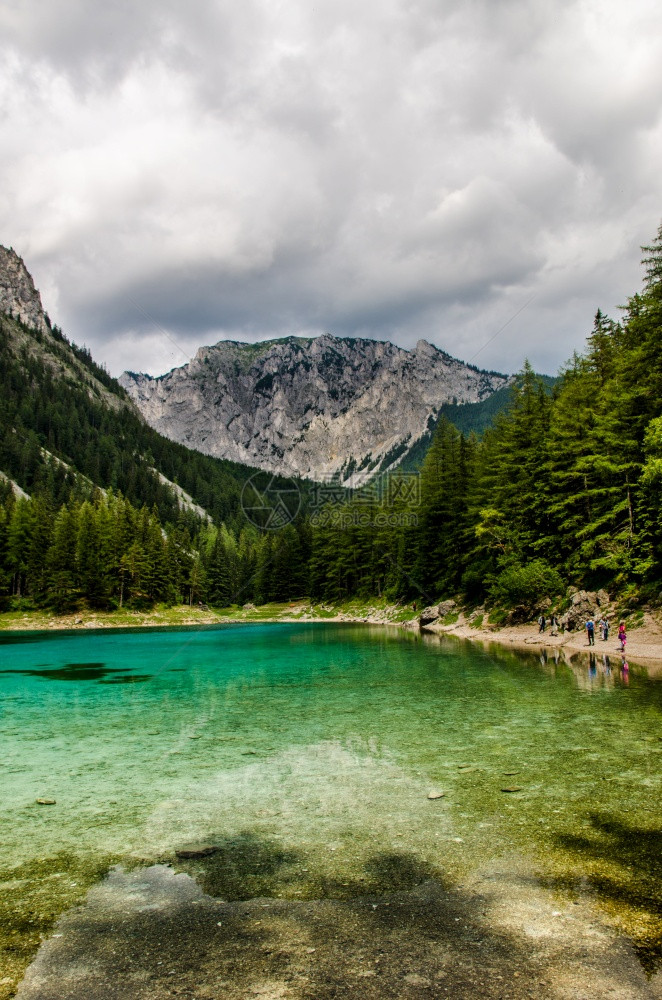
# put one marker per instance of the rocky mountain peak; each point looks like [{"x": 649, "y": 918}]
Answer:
[
  {"x": 320, "y": 407},
  {"x": 18, "y": 295}
]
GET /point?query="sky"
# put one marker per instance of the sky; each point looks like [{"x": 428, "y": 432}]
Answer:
[{"x": 477, "y": 173}]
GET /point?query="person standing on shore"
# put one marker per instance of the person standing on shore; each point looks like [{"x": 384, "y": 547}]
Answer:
[
  {"x": 590, "y": 631},
  {"x": 541, "y": 623},
  {"x": 553, "y": 624},
  {"x": 622, "y": 637}
]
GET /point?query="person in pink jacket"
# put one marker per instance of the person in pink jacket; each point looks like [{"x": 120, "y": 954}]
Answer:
[{"x": 622, "y": 637}]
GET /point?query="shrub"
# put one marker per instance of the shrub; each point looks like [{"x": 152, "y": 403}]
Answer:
[
  {"x": 497, "y": 616},
  {"x": 526, "y": 585}
]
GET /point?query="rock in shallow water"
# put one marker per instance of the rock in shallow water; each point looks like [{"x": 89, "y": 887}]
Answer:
[{"x": 196, "y": 850}]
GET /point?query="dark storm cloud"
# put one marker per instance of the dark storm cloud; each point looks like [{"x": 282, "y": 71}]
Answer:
[{"x": 399, "y": 169}]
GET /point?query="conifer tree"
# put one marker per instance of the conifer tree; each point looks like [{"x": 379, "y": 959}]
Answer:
[
  {"x": 61, "y": 560},
  {"x": 19, "y": 533}
]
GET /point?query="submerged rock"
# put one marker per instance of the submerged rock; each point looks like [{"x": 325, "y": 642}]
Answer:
[
  {"x": 196, "y": 850},
  {"x": 436, "y": 795},
  {"x": 45, "y": 802}
]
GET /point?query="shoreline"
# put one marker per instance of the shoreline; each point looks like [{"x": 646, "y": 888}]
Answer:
[
  {"x": 183, "y": 616},
  {"x": 644, "y": 646}
]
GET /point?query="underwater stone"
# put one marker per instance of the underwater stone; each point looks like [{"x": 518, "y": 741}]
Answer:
[{"x": 196, "y": 850}]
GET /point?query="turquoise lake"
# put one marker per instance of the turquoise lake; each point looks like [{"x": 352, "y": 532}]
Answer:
[{"x": 306, "y": 754}]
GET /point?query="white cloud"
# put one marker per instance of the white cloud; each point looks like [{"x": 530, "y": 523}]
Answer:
[{"x": 396, "y": 169}]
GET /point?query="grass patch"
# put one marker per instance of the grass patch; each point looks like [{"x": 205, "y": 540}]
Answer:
[
  {"x": 182, "y": 615},
  {"x": 451, "y": 618}
]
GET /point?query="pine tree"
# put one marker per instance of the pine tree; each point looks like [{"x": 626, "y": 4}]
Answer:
[
  {"x": 61, "y": 560},
  {"x": 443, "y": 499},
  {"x": 90, "y": 575},
  {"x": 19, "y": 535},
  {"x": 40, "y": 541},
  {"x": 219, "y": 575}
]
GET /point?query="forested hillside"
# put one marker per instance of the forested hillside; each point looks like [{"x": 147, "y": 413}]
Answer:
[
  {"x": 102, "y": 523},
  {"x": 469, "y": 418},
  {"x": 564, "y": 488}
]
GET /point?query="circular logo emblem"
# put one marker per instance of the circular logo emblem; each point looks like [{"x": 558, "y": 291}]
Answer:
[{"x": 269, "y": 501}]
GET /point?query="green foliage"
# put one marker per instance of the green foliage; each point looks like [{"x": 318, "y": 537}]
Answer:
[
  {"x": 525, "y": 584},
  {"x": 58, "y": 432},
  {"x": 564, "y": 485}
]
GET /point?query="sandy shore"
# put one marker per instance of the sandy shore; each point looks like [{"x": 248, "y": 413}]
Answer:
[{"x": 644, "y": 642}]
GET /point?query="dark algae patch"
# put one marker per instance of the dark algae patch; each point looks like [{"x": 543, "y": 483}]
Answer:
[
  {"x": 621, "y": 862},
  {"x": 70, "y": 672},
  {"x": 33, "y": 896},
  {"x": 85, "y": 672}
]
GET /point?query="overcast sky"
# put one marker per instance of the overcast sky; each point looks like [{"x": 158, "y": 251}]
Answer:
[{"x": 176, "y": 173}]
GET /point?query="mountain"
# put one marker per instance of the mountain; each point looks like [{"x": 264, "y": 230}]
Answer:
[
  {"x": 319, "y": 407},
  {"x": 66, "y": 424},
  {"x": 18, "y": 296}
]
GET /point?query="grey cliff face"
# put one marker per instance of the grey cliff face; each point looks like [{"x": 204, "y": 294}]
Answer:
[
  {"x": 18, "y": 296},
  {"x": 314, "y": 407}
]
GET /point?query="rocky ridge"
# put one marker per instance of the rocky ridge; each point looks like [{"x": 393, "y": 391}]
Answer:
[
  {"x": 317, "y": 407},
  {"x": 18, "y": 296}
]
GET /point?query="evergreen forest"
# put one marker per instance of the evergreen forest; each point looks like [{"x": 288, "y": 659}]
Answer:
[{"x": 564, "y": 488}]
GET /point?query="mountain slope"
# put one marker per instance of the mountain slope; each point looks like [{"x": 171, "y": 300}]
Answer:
[
  {"x": 66, "y": 424},
  {"x": 315, "y": 407}
]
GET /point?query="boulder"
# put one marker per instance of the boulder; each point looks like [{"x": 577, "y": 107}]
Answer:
[
  {"x": 446, "y": 607},
  {"x": 429, "y": 615},
  {"x": 518, "y": 615},
  {"x": 584, "y": 605},
  {"x": 603, "y": 598},
  {"x": 585, "y": 598}
]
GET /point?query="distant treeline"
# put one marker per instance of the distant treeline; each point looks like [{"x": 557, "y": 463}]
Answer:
[
  {"x": 564, "y": 488},
  {"x": 105, "y": 553}
]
